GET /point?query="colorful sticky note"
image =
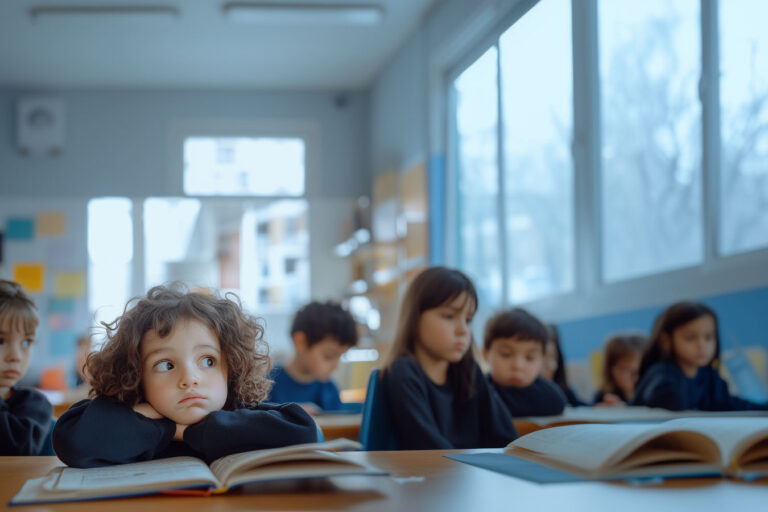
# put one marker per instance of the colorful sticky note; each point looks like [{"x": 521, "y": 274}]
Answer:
[
  {"x": 61, "y": 306},
  {"x": 19, "y": 228},
  {"x": 69, "y": 284},
  {"x": 51, "y": 223},
  {"x": 31, "y": 276},
  {"x": 62, "y": 343}
]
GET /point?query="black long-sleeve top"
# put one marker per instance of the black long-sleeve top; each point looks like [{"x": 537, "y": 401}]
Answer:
[
  {"x": 25, "y": 420},
  {"x": 665, "y": 385},
  {"x": 426, "y": 415},
  {"x": 541, "y": 398},
  {"x": 102, "y": 432}
]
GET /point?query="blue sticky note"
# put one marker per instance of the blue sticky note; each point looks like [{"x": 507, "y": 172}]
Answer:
[
  {"x": 62, "y": 343},
  {"x": 61, "y": 306},
  {"x": 20, "y": 228}
]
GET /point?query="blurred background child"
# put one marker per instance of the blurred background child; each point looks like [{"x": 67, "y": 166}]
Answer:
[
  {"x": 513, "y": 346},
  {"x": 554, "y": 366},
  {"x": 621, "y": 367}
]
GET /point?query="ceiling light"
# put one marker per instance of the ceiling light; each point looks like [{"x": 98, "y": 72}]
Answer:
[
  {"x": 112, "y": 11},
  {"x": 303, "y": 13}
]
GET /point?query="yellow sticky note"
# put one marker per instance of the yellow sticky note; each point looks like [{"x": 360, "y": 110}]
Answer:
[
  {"x": 69, "y": 284},
  {"x": 31, "y": 276},
  {"x": 51, "y": 223}
]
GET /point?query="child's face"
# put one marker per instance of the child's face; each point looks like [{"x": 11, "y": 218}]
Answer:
[
  {"x": 14, "y": 355},
  {"x": 625, "y": 373},
  {"x": 184, "y": 375},
  {"x": 444, "y": 332},
  {"x": 694, "y": 343},
  {"x": 321, "y": 359},
  {"x": 515, "y": 362},
  {"x": 549, "y": 367}
]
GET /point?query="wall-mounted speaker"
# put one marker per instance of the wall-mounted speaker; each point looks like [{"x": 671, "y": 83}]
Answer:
[{"x": 40, "y": 126}]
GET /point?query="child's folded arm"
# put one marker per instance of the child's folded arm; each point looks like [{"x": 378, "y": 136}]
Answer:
[
  {"x": 267, "y": 425},
  {"x": 101, "y": 432},
  {"x": 24, "y": 422}
]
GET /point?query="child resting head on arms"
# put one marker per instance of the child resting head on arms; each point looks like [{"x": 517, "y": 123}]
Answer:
[
  {"x": 181, "y": 373},
  {"x": 513, "y": 346},
  {"x": 25, "y": 414},
  {"x": 679, "y": 368}
]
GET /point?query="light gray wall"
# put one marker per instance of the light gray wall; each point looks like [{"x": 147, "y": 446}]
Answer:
[{"x": 116, "y": 142}]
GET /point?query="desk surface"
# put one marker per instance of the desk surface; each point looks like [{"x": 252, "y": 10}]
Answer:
[{"x": 422, "y": 480}]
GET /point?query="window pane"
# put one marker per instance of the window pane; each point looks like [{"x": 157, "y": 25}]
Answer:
[
  {"x": 110, "y": 252},
  {"x": 651, "y": 136},
  {"x": 477, "y": 157},
  {"x": 537, "y": 107},
  {"x": 744, "y": 121},
  {"x": 244, "y": 166}
]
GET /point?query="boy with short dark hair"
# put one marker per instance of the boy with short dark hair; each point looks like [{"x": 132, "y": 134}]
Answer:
[
  {"x": 322, "y": 332},
  {"x": 514, "y": 345}
]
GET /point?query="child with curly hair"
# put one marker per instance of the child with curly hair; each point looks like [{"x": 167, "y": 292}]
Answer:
[{"x": 181, "y": 373}]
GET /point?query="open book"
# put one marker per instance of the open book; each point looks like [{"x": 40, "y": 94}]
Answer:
[
  {"x": 313, "y": 460},
  {"x": 736, "y": 447}
]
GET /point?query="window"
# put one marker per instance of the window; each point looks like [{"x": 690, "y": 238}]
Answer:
[
  {"x": 537, "y": 115},
  {"x": 478, "y": 187},
  {"x": 744, "y": 125},
  {"x": 244, "y": 166},
  {"x": 651, "y": 136},
  {"x": 110, "y": 253}
]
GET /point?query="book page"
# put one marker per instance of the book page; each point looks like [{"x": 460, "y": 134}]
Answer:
[
  {"x": 135, "y": 476},
  {"x": 589, "y": 446},
  {"x": 226, "y": 466},
  {"x": 733, "y": 435}
]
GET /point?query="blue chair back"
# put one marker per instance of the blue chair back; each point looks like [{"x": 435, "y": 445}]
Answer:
[
  {"x": 47, "y": 448},
  {"x": 376, "y": 430}
]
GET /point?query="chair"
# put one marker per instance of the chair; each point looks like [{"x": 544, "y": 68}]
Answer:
[{"x": 375, "y": 430}]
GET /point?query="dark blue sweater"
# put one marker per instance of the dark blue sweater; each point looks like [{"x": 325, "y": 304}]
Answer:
[
  {"x": 285, "y": 389},
  {"x": 542, "y": 398},
  {"x": 101, "y": 432},
  {"x": 665, "y": 385},
  {"x": 25, "y": 420},
  {"x": 426, "y": 416}
]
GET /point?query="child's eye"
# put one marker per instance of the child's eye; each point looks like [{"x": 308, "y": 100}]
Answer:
[
  {"x": 448, "y": 316},
  {"x": 164, "y": 366},
  {"x": 1, "y": 341},
  {"x": 208, "y": 362},
  {"x": 27, "y": 343}
]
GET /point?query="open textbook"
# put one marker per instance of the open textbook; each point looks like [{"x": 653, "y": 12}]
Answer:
[
  {"x": 728, "y": 446},
  {"x": 314, "y": 460}
]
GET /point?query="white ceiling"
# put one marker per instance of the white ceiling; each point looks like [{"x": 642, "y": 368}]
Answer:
[{"x": 198, "y": 49}]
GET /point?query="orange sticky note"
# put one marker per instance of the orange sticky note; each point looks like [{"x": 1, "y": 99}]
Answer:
[
  {"x": 51, "y": 224},
  {"x": 31, "y": 276}
]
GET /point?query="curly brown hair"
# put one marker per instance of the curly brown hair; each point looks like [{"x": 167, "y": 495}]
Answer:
[{"x": 116, "y": 370}]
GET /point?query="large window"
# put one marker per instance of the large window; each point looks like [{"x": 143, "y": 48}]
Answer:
[
  {"x": 651, "y": 135},
  {"x": 601, "y": 143},
  {"x": 744, "y": 114},
  {"x": 515, "y": 174}
]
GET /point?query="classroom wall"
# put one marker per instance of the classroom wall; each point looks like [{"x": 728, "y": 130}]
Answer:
[{"x": 119, "y": 143}]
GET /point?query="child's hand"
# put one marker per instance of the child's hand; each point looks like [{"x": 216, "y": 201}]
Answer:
[
  {"x": 179, "y": 435},
  {"x": 311, "y": 408},
  {"x": 610, "y": 400},
  {"x": 147, "y": 410}
]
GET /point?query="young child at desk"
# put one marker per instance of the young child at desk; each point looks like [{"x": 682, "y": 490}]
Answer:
[
  {"x": 25, "y": 414},
  {"x": 621, "y": 367},
  {"x": 679, "y": 368},
  {"x": 554, "y": 366},
  {"x": 513, "y": 345},
  {"x": 321, "y": 333},
  {"x": 180, "y": 374},
  {"x": 435, "y": 392}
]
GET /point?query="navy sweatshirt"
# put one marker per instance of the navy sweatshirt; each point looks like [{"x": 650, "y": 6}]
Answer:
[
  {"x": 665, "y": 385},
  {"x": 102, "y": 432},
  {"x": 425, "y": 415},
  {"x": 285, "y": 389},
  {"x": 25, "y": 420},
  {"x": 542, "y": 398}
]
